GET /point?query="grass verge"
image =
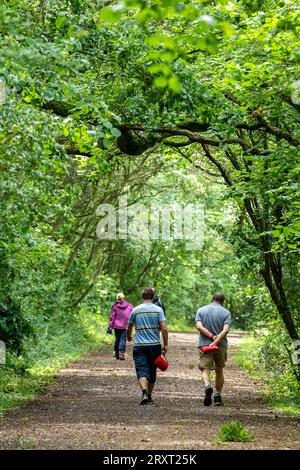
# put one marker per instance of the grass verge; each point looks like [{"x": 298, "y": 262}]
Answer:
[
  {"x": 59, "y": 344},
  {"x": 276, "y": 389},
  {"x": 175, "y": 328}
]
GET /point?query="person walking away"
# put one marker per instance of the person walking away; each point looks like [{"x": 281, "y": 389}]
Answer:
[
  {"x": 118, "y": 321},
  {"x": 213, "y": 323},
  {"x": 148, "y": 320},
  {"x": 157, "y": 301}
]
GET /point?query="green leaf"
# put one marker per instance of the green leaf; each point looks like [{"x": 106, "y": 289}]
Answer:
[
  {"x": 106, "y": 142},
  {"x": 60, "y": 21},
  {"x": 107, "y": 124},
  {"x": 163, "y": 68},
  {"x": 160, "y": 82},
  {"x": 116, "y": 132},
  {"x": 174, "y": 84},
  {"x": 108, "y": 15}
]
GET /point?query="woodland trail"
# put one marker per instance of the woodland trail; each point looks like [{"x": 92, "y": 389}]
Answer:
[{"x": 94, "y": 405}]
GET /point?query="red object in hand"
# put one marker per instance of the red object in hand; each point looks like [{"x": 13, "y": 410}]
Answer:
[
  {"x": 207, "y": 349},
  {"x": 161, "y": 362}
]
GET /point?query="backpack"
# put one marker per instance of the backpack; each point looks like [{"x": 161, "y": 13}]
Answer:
[{"x": 160, "y": 304}]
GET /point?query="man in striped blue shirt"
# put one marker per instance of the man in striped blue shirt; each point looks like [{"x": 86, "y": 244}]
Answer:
[{"x": 149, "y": 320}]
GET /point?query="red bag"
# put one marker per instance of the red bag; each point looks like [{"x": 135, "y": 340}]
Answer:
[
  {"x": 207, "y": 349},
  {"x": 161, "y": 362}
]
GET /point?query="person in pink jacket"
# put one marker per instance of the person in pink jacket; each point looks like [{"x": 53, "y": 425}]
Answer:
[{"x": 118, "y": 321}]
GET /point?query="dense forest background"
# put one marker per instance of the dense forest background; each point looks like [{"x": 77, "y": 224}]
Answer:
[{"x": 165, "y": 101}]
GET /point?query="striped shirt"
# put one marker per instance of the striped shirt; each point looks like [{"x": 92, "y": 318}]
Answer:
[{"x": 146, "y": 318}]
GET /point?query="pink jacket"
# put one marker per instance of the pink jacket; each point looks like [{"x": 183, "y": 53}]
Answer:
[{"x": 119, "y": 315}]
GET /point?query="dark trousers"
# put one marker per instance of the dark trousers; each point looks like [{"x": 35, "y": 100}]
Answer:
[
  {"x": 120, "y": 342},
  {"x": 144, "y": 357}
]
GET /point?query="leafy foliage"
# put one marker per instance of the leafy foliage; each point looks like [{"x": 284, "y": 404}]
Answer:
[
  {"x": 193, "y": 101},
  {"x": 24, "y": 376},
  {"x": 267, "y": 356}
]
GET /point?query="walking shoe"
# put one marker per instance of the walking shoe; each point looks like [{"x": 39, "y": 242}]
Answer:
[
  {"x": 208, "y": 394},
  {"x": 150, "y": 400},
  {"x": 116, "y": 354},
  {"x": 121, "y": 356},
  {"x": 218, "y": 400},
  {"x": 144, "y": 399}
]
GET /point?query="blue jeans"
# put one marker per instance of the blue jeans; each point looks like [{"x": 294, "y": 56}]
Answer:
[
  {"x": 120, "y": 343},
  {"x": 144, "y": 357}
]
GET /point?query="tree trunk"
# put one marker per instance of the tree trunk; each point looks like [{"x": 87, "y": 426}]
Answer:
[
  {"x": 273, "y": 280},
  {"x": 271, "y": 271}
]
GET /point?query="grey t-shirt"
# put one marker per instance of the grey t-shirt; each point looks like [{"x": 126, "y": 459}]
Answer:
[{"x": 213, "y": 317}]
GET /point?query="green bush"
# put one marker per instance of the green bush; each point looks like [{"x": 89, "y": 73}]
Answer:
[
  {"x": 59, "y": 342},
  {"x": 14, "y": 327},
  {"x": 266, "y": 357},
  {"x": 233, "y": 432}
]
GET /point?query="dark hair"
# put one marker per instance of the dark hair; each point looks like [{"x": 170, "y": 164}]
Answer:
[
  {"x": 218, "y": 297},
  {"x": 148, "y": 293}
]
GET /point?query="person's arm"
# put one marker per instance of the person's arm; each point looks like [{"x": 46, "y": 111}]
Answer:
[
  {"x": 128, "y": 314},
  {"x": 112, "y": 318},
  {"x": 129, "y": 331},
  {"x": 221, "y": 335},
  {"x": 164, "y": 332},
  {"x": 204, "y": 331},
  {"x": 131, "y": 322}
]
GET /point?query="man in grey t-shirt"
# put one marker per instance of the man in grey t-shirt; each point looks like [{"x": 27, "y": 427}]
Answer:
[{"x": 213, "y": 323}]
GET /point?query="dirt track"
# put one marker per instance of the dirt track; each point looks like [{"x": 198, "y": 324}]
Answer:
[{"x": 94, "y": 405}]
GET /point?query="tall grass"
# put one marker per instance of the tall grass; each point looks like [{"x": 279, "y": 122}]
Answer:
[
  {"x": 58, "y": 344},
  {"x": 266, "y": 360}
]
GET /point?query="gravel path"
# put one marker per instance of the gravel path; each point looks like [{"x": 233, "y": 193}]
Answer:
[{"x": 94, "y": 405}]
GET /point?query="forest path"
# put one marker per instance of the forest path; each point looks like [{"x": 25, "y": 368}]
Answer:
[{"x": 94, "y": 405}]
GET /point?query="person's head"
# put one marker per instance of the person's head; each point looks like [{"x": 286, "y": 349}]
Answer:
[
  {"x": 120, "y": 296},
  {"x": 218, "y": 297},
  {"x": 148, "y": 293}
]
